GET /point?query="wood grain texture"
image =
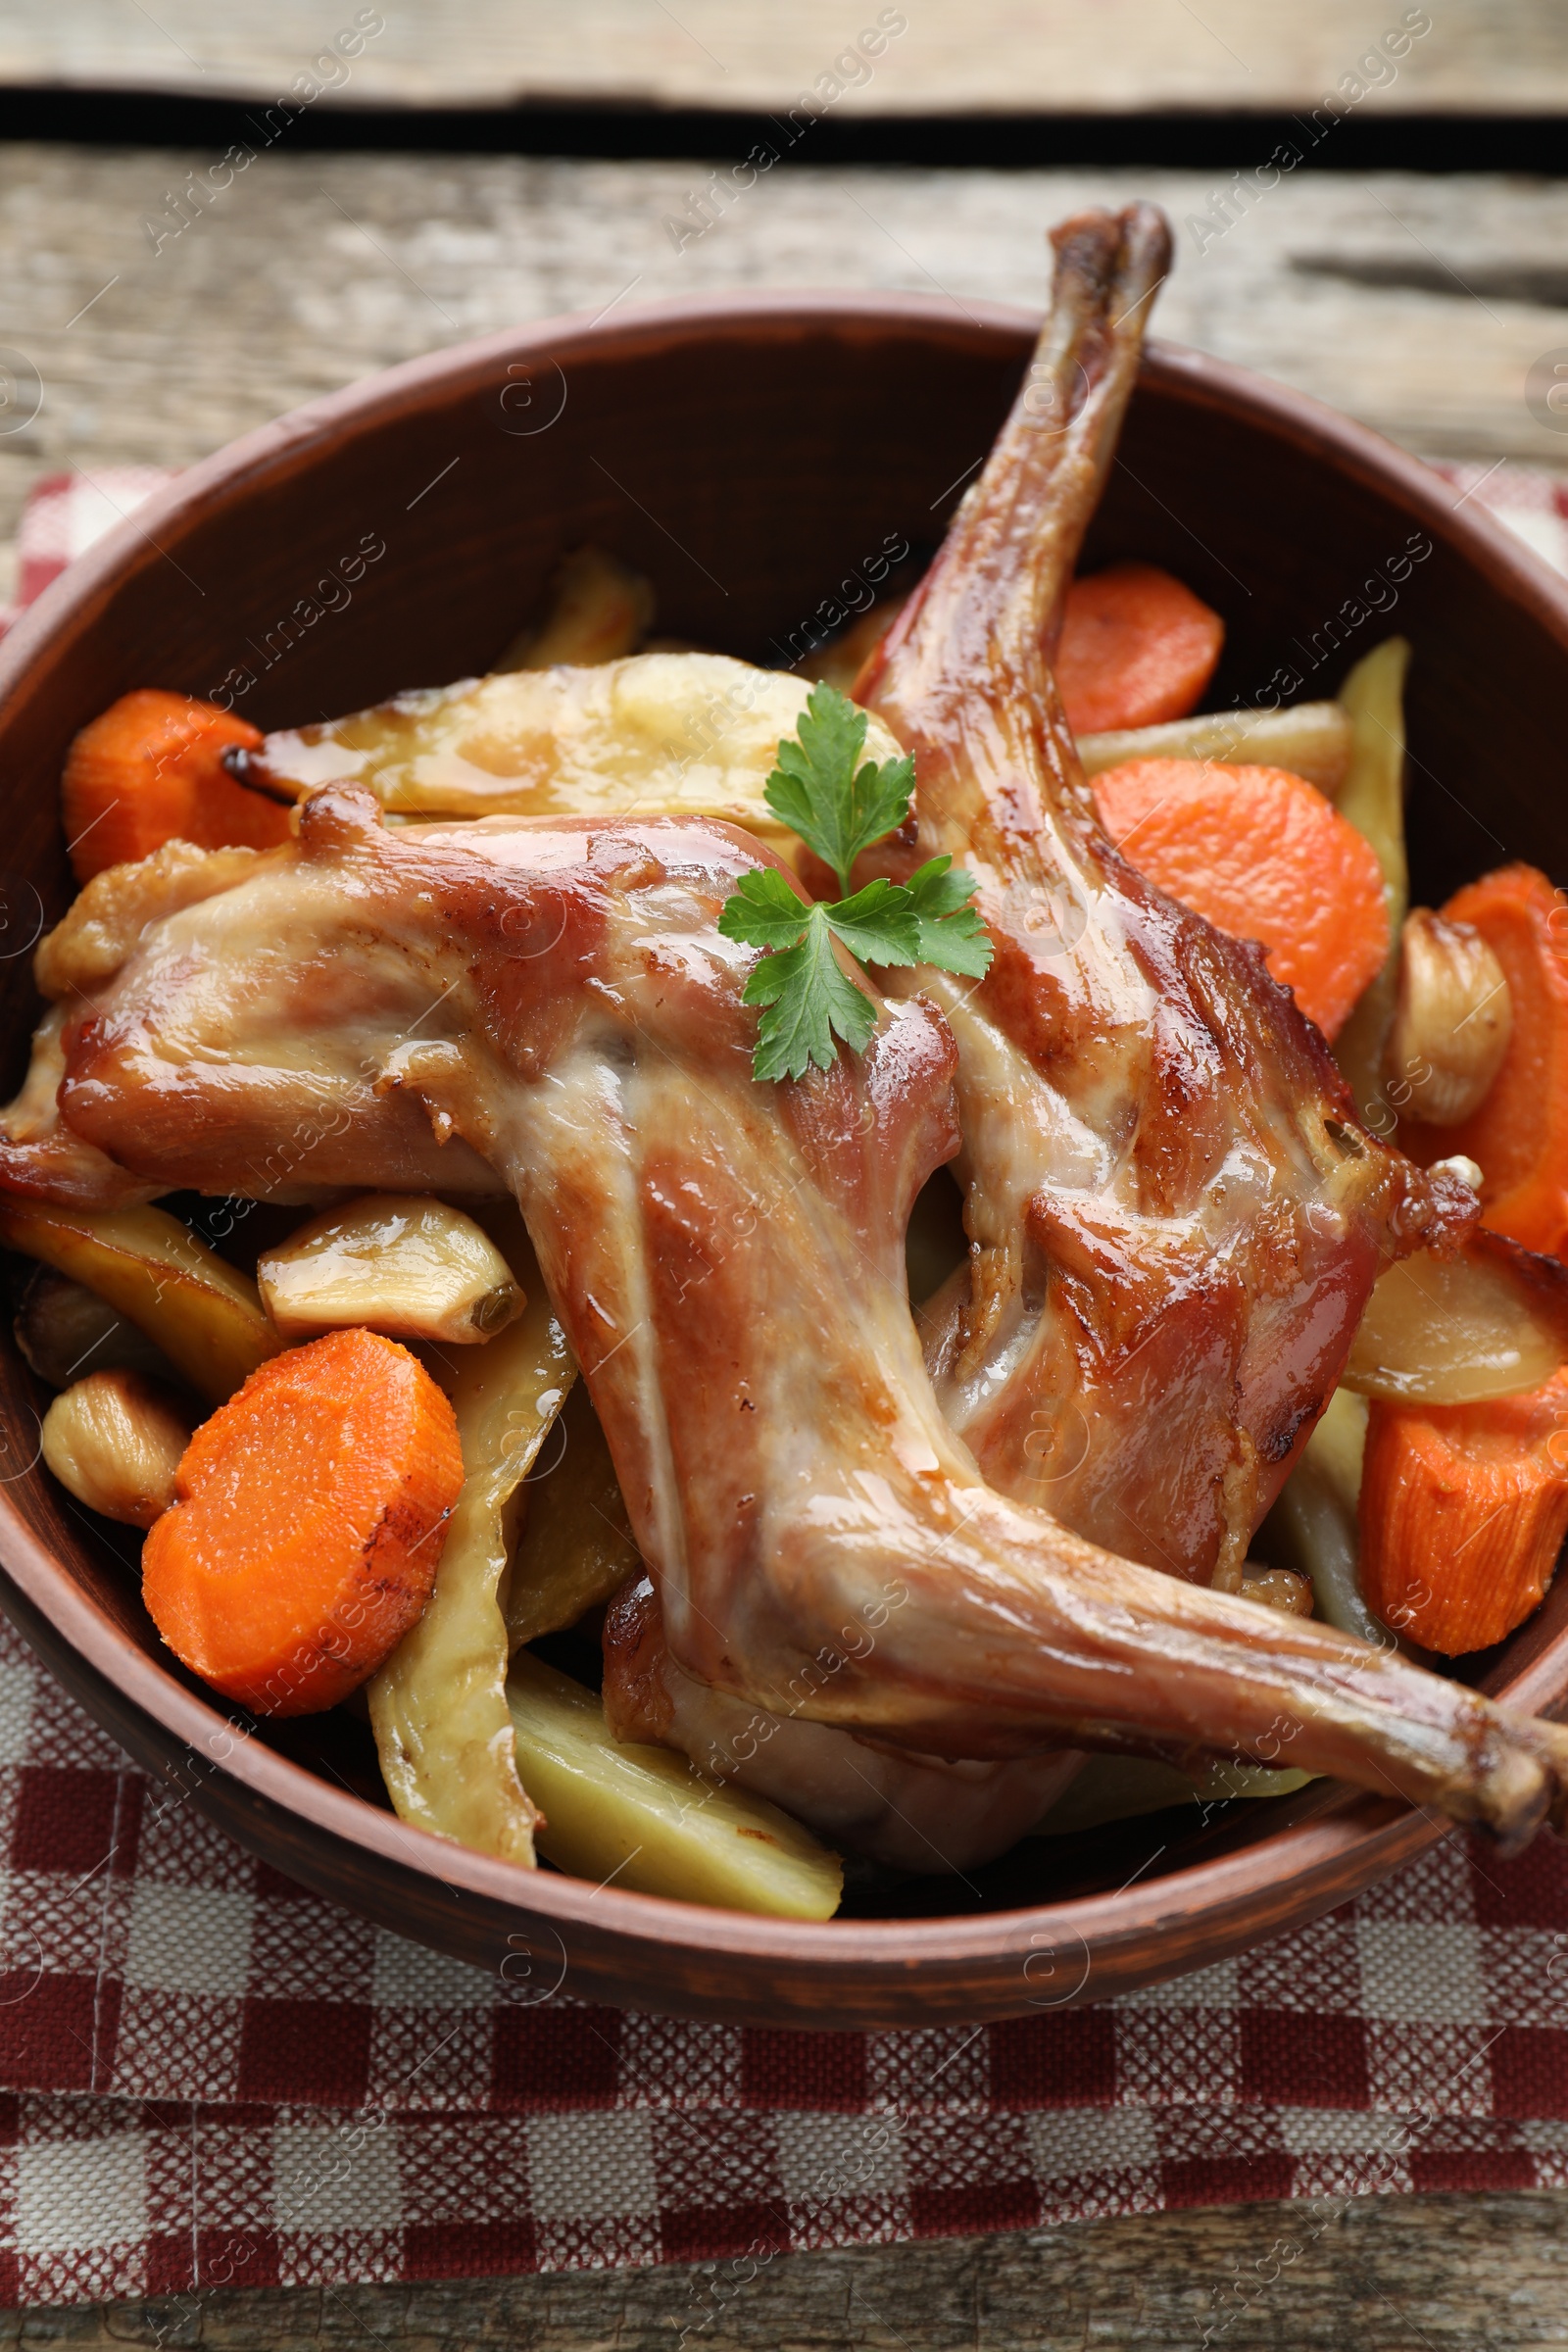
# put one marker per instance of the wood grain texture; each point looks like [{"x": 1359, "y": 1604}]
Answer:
[
  {"x": 1391, "y": 2275},
  {"x": 308, "y": 271},
  {"x": 956, "y": 56}
]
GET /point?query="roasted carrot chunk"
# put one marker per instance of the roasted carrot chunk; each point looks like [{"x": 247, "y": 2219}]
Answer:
[
  {"x": 311, "y": 1515},
  {"x": 1462, "y": 1513},
  {"x": 149, "y": 769},
  {"x": 1519, "y": 1136},
  {"x": 1137, "y": 648},
  {"x": 1264, "y": 856}
]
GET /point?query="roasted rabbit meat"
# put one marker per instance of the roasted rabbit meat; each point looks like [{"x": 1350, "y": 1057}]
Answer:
[
  {"x": 555, "y": 1003},
  {"x": 1175, "y": 1218}
]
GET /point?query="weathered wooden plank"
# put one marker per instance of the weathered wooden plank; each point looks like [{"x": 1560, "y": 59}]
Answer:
[
  {"x": 1393, "y": 2274},
  {"x": 952, "y": 56},
  {"x": 306, "y": 271}
]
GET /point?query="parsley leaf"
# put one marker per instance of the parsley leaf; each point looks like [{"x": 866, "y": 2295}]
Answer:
[
  {"x": 808, "y": 997},
  {"x": 764, "y": 911},
  {"x": 837, "y": 810},
  {"x": 878, "y": 925},
  {"x": 951, "y": 932},
  {"x": 808, "y": 1001}
]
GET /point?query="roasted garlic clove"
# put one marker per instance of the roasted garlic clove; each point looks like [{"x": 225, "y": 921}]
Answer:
[
  {"x": 1277, "y": 1588},
  {"x": 67, "y": 1331},
  {"x": 1453, "y": 1020},
  {"x": 114, "y": 1441},
  {"x": 398, "y": 1262},
  {"x": 652, "y": 733}
]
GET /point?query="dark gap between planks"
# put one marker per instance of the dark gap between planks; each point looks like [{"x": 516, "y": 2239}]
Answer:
[{"x": 1192, "y": 141}]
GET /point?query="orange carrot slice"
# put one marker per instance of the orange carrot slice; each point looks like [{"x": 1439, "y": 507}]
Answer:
[
  {"x": 1136, "y": 648},
  {"x": 311, "y": 1515},
  {"x": 1263, "y": 854},
  {"x": 1519, "y": 1136},
  {"x": 1462, "y": 1513},
  {"x": 149, "y": 769}
]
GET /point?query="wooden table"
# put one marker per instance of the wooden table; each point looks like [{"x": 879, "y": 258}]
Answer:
[
  {"x": 950, "y": 56},
  {"x": 1418, "y": 304},
  {"x": 1395, "y": 2274},
  {"x": 1398, "y": 296}
]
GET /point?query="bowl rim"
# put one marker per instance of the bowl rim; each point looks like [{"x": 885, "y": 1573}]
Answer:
[
  {"x": 1304, "y": 1865},
  {"x": 309, "y": 429}
]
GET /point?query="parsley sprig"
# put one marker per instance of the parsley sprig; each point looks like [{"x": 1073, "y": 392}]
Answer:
[{"x": 839, "y": 808}]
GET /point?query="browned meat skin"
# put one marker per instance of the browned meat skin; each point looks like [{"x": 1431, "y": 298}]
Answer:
[
  {"x": 1174, "y": 1217},
  {"x": 726, "y": 1257}
]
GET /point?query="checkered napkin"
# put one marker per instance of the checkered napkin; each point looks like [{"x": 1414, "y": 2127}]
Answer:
[
  {"x": 215, "y": 2079},
  {"x": 65, "y": 514},
  {"x": 210, "y": 2078}
]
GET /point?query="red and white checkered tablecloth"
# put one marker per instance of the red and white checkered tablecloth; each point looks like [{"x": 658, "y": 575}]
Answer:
[
  {"x": 210, "y": 2078},
  {"x": 215, "y": 2079},
  {"x": 65, "y": 514}
]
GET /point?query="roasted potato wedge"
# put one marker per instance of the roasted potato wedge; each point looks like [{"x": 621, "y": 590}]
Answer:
[
  {"x": 1313, "y": 1527},
  {"x": 1110, "y": 1789},
  {"x": 1490, "y": 1322},
  {"x": 649, "y": 1820}
]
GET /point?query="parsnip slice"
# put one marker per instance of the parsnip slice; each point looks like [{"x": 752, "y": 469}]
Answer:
[
  {"x": 1313, "y": 1527},
  {"x": 651, "y": 1820},
  {"x": 201, "y": 1312},
  {"x": 1490, "y": 1322},
  {"x": 1310, "y": 738},
  {"x": 1372, "y": 797},
  {"x": 575, "y": 1549},
  {"x": 438, "y": 1706},
  {"x": 596, "y": 609},
  {"x": 1110, "y": 1789},
  {"x": 402, "y": 1263}
]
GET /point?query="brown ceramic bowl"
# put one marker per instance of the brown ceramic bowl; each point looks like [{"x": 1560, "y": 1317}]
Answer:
[{"x": 748, "y": 455}]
